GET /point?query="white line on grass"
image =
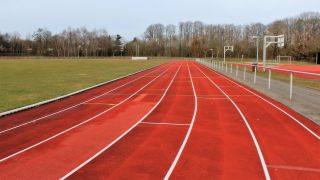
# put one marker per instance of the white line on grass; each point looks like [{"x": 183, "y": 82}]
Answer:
[
  {"x": 125, "y": 133},
  {"x": 263, "y": 163},
  {"x": 173, "y": 165},
  {"x": 86, "y": 121}
]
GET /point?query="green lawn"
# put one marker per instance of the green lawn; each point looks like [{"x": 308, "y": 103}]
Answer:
[{"x": 24, "y": 82}]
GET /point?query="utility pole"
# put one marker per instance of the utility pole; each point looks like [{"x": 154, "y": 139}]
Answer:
[
  {"x": 79, "y": 51},
  {"x": 137, "y": 49},
  {"x": 257, "y": 37}
]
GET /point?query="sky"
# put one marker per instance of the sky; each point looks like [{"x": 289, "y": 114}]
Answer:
[{"x": 130, "y": 18}]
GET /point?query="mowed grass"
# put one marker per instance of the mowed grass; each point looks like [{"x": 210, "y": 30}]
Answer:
[{"x": 24, "y": 82}]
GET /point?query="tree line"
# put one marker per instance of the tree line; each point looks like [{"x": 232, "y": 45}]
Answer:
[
  {"x": 187, "y": 39},
  {"x": 69, "y": 43}
]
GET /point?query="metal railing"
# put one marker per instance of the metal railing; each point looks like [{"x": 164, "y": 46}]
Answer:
[{"x": 233, "y": 69}]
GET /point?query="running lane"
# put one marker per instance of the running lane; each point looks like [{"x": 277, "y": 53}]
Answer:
[
  {"x": 219, "y": 146},
  {"x": 149, "y": 149},
  {"x": 27, "y": 135},
  {"x": 291, "y": 150},
  {"x": 62, "y": 105},
  {"x": 57, "y": 156}
]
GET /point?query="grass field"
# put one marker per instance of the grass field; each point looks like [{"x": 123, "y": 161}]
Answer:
[{"x": 24, "y": 82}]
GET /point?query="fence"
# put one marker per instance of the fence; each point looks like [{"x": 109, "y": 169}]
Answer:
[{"x": 299, "y": 90}]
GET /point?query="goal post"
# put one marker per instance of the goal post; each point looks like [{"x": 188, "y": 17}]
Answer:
[
  {"x": 289, "y": 58},
  {"x": 139, "y": 58}
]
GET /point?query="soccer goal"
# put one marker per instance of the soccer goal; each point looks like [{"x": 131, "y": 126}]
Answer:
[
  {"x": 279, "y": 58},
  {"x": 139, "y": 58}
]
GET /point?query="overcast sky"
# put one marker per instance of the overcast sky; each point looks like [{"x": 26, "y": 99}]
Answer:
[{"x": 131, "y": 17}]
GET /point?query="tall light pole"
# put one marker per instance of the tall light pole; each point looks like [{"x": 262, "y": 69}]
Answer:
[
  {"x": 211, "y": 53},
  {"x": 137, "y": 49},
  {"x": 257, "y": 38},
  {"x": 79, "y": 47}
]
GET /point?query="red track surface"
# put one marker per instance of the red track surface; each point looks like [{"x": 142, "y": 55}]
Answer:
[
  {"x": 303, "y": 68},
  {"x": 285, "y": 69},
  {"x": 179, "y": 121}
]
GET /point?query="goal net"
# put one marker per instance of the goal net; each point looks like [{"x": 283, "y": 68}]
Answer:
[{"x": 282, "y": 58}]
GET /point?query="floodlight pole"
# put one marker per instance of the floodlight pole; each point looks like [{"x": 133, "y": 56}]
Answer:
[
  {"x": 137, "y": 49},
  {"x": 224, "y": 54},
  {"x": 257, "y": 37},
  {"x": 79, "y": 51}
]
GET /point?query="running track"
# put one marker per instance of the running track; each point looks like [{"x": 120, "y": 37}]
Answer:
[{"x": 179, "y": 120}]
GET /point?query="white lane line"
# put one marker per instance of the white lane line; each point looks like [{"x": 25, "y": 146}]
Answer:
[
  {"x": 160, "y": 123},
  {"x": 275, "y": 106},
  {"x": 230, "y": 86},
  {"x": 295, "y": 168},
  {"x": 182, "y": 81},
  {"x": 208, "y": 98},
  {"x": 263, "y": 163},
  {"x": 125, "y": 133},
  {"x": 173, "y": 165},
  {"x": 106, "y": 104},
  {"x": 84, "y": 122},
  {"x": 76, "y": 105}
]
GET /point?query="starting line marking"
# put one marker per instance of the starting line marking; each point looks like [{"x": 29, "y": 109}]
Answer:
[
  {"x": 230, "y": 86},
  {"x": 100, "y": 104},
  {"x": 158, "y": 123},
  {"x": 212, "y": 98},
  {"x": 295, "y": 168},
  {"x": 183, "y": 81},
  {"x": 155, "y": 89}
]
